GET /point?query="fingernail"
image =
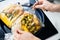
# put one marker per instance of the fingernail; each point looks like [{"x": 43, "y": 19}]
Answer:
[{"x": 36, "y": 6}]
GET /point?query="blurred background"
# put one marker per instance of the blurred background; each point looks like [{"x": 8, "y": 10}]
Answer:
[{"x": 55, "y": 17}]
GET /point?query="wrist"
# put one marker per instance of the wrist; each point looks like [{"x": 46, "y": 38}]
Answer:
[{"x": 57, "y": 7}]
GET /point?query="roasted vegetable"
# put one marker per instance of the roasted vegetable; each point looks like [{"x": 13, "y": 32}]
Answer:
[
  {"x": 29, "y": 22},
  {"x": 10, "y": 14}
]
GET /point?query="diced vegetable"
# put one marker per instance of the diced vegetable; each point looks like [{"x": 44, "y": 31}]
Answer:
[{"x": 30, "y": 23}]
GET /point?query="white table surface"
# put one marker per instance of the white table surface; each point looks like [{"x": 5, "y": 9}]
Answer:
[{"x": 53, "y": 16}]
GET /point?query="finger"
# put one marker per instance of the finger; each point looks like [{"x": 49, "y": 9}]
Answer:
[
  {"x": 40, "y": 1},
  {"x": 35, "y": 4},
  {"x": 40, "y": 7},
  {"x": 16, "y": 35},
  {"x": 20, "y": 31},
  {"x": 15, "y": 30}
]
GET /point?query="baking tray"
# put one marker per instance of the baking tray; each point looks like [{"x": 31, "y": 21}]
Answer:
[{"x": 43, "y": 33}]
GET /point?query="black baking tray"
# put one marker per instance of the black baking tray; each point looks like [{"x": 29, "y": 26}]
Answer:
[{"x": 47, "y": 31}]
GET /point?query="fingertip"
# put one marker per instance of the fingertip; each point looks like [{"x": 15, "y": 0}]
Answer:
[
  {"x": 37, "y": 6},
  {"x": 20, "y": 31}
]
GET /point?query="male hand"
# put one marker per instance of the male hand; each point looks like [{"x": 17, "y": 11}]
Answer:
[{"x": 43, "y": 4}]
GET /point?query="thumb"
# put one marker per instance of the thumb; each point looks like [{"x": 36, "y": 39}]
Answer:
[{"x": 20, "y": 31}]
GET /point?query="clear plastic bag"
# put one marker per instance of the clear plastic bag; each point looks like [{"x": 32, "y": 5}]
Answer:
[{"x": 8, "y": 36}]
